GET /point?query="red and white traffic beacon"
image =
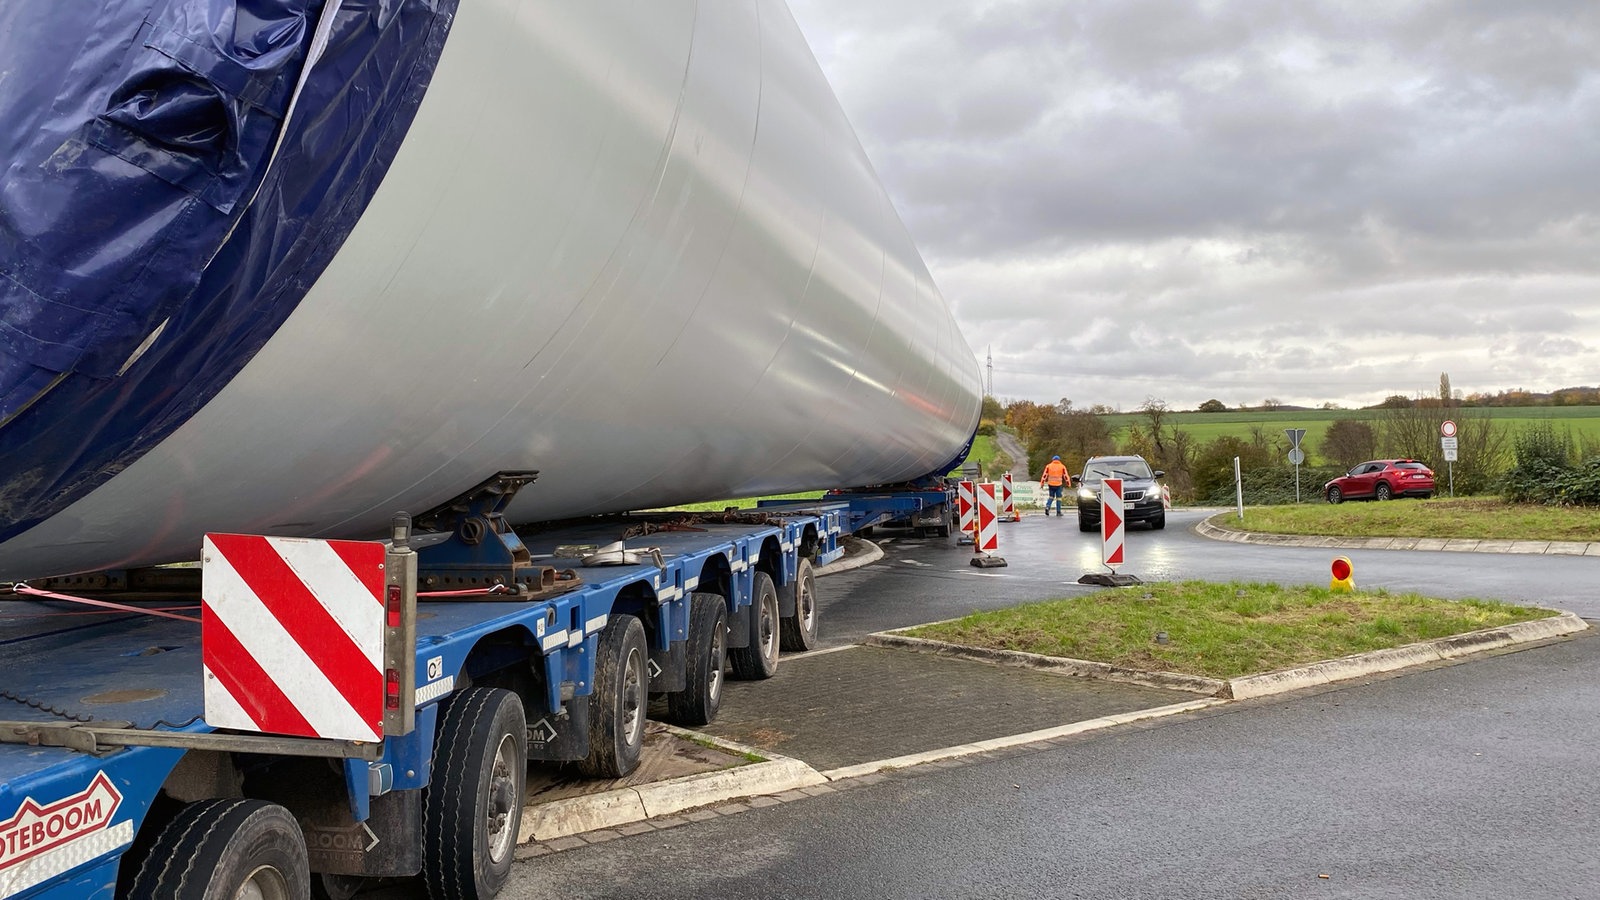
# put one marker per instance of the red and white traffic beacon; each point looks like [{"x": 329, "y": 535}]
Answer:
[
  {"x": 986, "y": 533},
  {"x": 1113, "y": 545},
  {"x": 1008, "y": 500},
  {"x": 966, "y": 503}
]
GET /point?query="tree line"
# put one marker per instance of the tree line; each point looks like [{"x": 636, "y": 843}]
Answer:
[{"x": 1491, "y": 458}]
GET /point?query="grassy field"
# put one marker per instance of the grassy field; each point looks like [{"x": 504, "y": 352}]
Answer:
[
  {"x": 1222, "y": 630},
  {"x": 983, "y": 450},
  {"x": 1484, "y": 518},
  {"x": 1582, "y": 422}
]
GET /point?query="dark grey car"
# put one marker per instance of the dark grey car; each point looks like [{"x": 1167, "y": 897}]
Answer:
[{"x": 1141, "y": 491}]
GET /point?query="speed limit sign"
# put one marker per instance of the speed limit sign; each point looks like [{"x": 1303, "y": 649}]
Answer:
[{"x": 1448, "y": 428}]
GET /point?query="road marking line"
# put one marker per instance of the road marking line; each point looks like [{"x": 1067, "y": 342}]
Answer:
[{"x": 1044, "y": 734}]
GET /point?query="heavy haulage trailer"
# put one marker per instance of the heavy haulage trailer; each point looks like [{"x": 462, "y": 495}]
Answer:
[
  {"x": 116, "y": 783},
  {"x": 378, "y": 702},
  {"x": 274, "y": 271}
]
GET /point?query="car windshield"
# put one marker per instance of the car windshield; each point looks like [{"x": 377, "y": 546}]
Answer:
[
  {"x": 1120, "y": 468},
  {"x": 1409, "y": 465}
]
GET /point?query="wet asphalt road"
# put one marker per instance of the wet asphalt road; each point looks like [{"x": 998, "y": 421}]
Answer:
[
  {"x": 1471, "y": 780},
  {"x": 1476, "y": 779}
]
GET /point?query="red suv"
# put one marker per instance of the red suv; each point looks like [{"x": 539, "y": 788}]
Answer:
[{"x": 1381, "y": 479}]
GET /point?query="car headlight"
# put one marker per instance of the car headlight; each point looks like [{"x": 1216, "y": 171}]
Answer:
[{"x": 1086, "y": 494}]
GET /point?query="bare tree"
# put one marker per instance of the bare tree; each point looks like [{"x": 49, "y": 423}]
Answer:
[
  {"x": 1413, "y": 432},
  {"x": 1155, "y": 411}
]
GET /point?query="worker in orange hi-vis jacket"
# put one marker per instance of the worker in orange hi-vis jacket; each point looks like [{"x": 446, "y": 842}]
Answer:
[{"x": 1055, "y": 478}]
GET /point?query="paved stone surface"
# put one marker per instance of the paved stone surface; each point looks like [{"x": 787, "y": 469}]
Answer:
[
  {"x": 866, "y": 703},
  {"x": 666, "y": 756}
]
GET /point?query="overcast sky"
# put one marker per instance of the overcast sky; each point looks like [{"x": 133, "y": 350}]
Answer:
[{"x": 1308, "y": 200}]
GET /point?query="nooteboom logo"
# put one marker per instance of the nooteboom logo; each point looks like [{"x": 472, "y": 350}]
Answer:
[{"x": 36, "y": 829}]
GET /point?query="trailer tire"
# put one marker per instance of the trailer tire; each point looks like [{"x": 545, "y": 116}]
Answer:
[
  {"x": 472, "y": 808},
  {"x": 214, "y": 848},
  {"x": 760, "y": 659},
  {"x": 701, "y": 697},
  {"x": 619, "y": 705},
  {"x": 798, "y": 633}
]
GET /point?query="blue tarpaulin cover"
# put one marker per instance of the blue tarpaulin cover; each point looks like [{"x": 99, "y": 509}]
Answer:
[{"x": 163, "y": 210}]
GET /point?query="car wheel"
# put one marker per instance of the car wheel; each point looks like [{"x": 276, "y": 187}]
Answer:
[
  {"x": 1335, "y": 495},
  {"x": 1159, "y": 522},
  {"x": 1383, "y": 492},
  {"x": 1087, "y": 526},
  {"x": 1425, "y": 495}
]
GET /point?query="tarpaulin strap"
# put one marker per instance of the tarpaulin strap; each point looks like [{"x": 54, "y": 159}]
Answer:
[
  {"x": 497, "y": 589},
  {"x": 25, "y": 590}
]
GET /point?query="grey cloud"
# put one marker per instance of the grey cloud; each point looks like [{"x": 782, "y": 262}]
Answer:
[{"x": 1262, "y": 182}]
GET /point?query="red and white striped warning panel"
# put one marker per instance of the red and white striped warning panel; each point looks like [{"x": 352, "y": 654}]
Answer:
[
  {"x": 1166, "y": 498},
  {"x": 1008, "y": 499},
  {"x": 1111, "y": 524},
  {"x": 988, "y": 536},
  {"x": 292, "y": 636},
  {"x": 964, "y": 502}
]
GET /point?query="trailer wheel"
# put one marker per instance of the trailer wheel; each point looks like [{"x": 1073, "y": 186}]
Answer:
[
  {"x": 799, "y": 631},
  {"x": 473, "y": 807},
  {"x": 760, "y": 659},
  {"x": 618, "y": 707},
  {"x": 698, "y": 702},
  {"x": 226, "y": 849}
]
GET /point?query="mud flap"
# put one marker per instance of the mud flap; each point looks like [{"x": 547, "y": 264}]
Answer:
[
  {"x": 561, "y": 737},
  {"x": 668, "y": 668}
]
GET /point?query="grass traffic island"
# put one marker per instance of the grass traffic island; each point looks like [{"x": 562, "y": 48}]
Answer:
[
  {"x": 1472, "y": 517},
  {"x": 1222, "y": 631}
]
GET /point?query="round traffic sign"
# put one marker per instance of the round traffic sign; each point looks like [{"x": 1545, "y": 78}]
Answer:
[
  {"x": 1448, "y": 428},
  {"x": 1296, "y": 456}
]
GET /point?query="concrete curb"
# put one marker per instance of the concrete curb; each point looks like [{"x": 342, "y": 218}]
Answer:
[
  {"x": 1357, "y": 665},
  {"x": 869, "y": 555},
  {"x": 624, "y": 806},
  {"x": 1015, "y": 740},
  {"x": 1217, "y": 531},
  {"x": 1055, "y": 665},
  {"x": 1380, "y": 661}
]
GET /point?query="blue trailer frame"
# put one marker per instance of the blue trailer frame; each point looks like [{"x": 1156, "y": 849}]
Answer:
[{"x": 68, "y": 667}]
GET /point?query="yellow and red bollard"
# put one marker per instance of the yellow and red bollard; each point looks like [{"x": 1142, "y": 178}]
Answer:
[{"x": 1343, "y": 575}]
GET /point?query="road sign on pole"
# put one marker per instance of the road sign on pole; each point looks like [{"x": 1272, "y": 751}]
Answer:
[
  {"x": 1448, "y": 444},
  {"x": 1296, "y": 456}
]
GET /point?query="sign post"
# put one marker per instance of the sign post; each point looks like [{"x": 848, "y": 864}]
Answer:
[
  {"x": 1238, "y": 487},
  {"x": 1447, "y": 443},
  {"x": 1296, "y": 456}
]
